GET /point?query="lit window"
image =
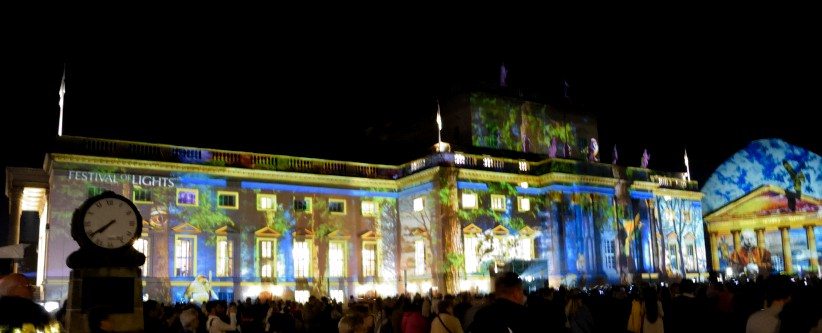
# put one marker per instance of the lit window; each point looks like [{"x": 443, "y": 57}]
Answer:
[
  {"x": 369, "y": 208},
  {"x": 523, "y": 166},
  {"x": 369, "y": 259},
  {"x": 301, "y": 296},
  {"x": 303, "y": 205},
  {"x": 225, "y": 257},
  {"x": 525, "y": 248},
  {"x": 469, "y": 200},
  {"x": 336, "y": 206},
  {"x": 419, "y": 257},
  {"x": 336, "y": 259},
  {"x": 267, "y": 262},
  {"x": 184, "y": 256},
  {"x": 187, "y": 197},
  {"x": 609, "y": 250},
  {"x": 523, "y": 204},
  {"x": 141, "y": 245},
  {"x": 337, "y": 295},
  {"x": 141, "y": 196},
  {"x": 418, "y": 204},
  {"x": 227, "y": 200},
  {"x": 266, "y": 202},
  {"x": 301, "y": 259},
  {"x": 497, "y": 202},
  {"x": 471, "y": 257}
]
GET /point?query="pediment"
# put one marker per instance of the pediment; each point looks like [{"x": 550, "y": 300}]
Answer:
[
  {"x": 370, "y": 235},
  {"x": 527, "y": 232},
  {"x": 303, "y": 232},
  {"x": 767, "y": 200},
  {"x": 186, "y": 228},
  {"x": 225, "y": 230},
  {"x": 267, "y": 232},
  {"x": 500, "y": 230},
  {"x": 471, "y": 229}
]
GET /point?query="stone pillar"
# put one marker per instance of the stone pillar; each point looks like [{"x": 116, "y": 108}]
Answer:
[
  {"x": 714, "y": 252},
  {"x": 15, "y": 213},
  {"x": 737, "y": 240},
  {"x": 760, "y": 238},
  {"x": 786, "y": 249},
  {"x": 809, "y": 233}
]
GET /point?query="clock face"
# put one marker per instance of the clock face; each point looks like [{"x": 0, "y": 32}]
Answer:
[{"x": 111, "y": 223}]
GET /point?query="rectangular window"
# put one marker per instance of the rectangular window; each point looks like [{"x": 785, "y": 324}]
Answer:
[
  {"x": 266, "y": 202},
  {"x": 369, "y": 208},
  {"x": 228, "y": 200},
  {"x": 523, "y": 204},
  {"x": 609, "y": 251},
  {"x": 184, "y": 256},
  {"x": 267, "y": 262},
  {"x": 497, "y": 202},
  {"x": 471, "y": 257},
  {"x": 336, "y": 206},
  {"x": 525, "y": 248},
  {"x": 225, "y": 256},
  {"x": 95, "y": 191},
  {"x": 301, "y": 296},
  {"x": 419, "y": 257},
  {"x": 690, "y": 258},
  {"x": 301, "y": 259},
  {"x": 187, "y": 197},
  {"x": 673, "y": 256},
  {"x": 141, "y": 196},
  {"x": 303, "y": 205},
  {"x": 141, "y": 245},
  {"x": 336, "y": 259},
  {"x": 469, "y": 200},
  {"x": 369, "y": 260},
  {"x": 419, "y": 204}
]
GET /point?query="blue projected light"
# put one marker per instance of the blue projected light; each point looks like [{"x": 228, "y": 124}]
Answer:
[{"x": 316, "y": 190}]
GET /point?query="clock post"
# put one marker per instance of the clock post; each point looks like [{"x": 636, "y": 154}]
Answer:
[{"x": 105, "y": 274}]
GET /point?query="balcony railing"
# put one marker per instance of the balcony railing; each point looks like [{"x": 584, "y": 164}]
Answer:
[{"x": 216, "y": 157}]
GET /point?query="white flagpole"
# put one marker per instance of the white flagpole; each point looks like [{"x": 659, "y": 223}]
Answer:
[{"x": 62, "y": 95}]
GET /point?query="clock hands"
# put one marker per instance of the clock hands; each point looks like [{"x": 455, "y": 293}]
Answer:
[{"x": 103, "y": 228}]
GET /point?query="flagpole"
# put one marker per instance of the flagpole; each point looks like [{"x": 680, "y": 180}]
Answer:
[{"x": 439, "y": 124}]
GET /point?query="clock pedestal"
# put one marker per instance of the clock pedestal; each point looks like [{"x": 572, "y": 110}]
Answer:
[
  {"x": 118, "y": 290},
  {"x": 109, "y": 281}
]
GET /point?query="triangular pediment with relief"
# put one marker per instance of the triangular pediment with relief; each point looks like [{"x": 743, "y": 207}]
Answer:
[
  {"x": 499, "y": 230},
  {"x": 338, "y": 234},
  {"x": 186, "y": 228},
  {"x": 767, "y": 200},
  {"x": 471, "y": 229},
  {"x": 527, "y": 232},
  {"x": 225, "y": 230},
  {"x": 303, "y": 232},
  {"x": 267, "y": 232},
  {"x": 369, "y": 235}
]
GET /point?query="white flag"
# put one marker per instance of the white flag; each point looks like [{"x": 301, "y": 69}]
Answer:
[
  {"x": 439, "y": 119},
  {"x": 62, "y": 94}
]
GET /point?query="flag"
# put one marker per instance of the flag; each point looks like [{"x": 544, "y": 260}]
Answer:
[
  {"x": 439, "y": 118},
  {"x": 565, "y": 86},
  {"x": 503, "y": 76},
  {"x": 616, "y": 156}
]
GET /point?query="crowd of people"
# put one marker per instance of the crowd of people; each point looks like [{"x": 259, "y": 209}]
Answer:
[{"x": 773, "y": 304}]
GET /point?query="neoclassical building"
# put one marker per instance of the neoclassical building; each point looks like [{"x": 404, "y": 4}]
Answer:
[
  {"x": 767, "y": 195},
  {"x": 448, "y": 221}
]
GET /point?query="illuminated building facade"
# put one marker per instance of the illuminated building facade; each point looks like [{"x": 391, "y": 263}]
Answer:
[
  {"x": 296, "y": 226},
  {"x": 763, "y": 208}
]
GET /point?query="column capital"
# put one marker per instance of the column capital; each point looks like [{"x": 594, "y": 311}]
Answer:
[{"x": 809, "y": 226}]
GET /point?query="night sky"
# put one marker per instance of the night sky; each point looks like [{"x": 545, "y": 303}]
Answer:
[{"x": 365, "y": 91}]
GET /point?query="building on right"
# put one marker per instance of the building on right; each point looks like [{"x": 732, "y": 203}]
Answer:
[{"x": 763, "y": 212}]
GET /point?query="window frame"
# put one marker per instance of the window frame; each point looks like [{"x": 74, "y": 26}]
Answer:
[
  {"x": 192, "y": 257},
  {"x": 234, "y": 194},
  {"x": 191, "y": 190},
  {"x": 261, "y": 196}
]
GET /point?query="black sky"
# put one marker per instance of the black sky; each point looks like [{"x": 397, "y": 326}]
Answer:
[{"x": 364, "y": 90}]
